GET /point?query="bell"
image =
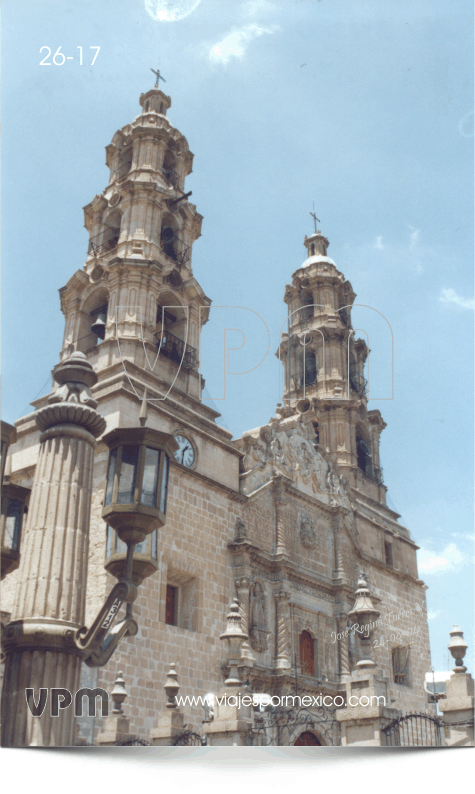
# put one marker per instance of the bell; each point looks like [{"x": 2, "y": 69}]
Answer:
[{"x": 99, "y": 325}]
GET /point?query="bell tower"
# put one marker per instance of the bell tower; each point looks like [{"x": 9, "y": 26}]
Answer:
[
  {"x": 324, "y": 368},
  {"x": 136, "y": 301}
]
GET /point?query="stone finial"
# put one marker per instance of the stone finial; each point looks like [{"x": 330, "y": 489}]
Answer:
[
  {"x": 172, "y": 687},
  {"x": 234, "y": 637},
  {"x": 458, "y": 648},
  {"x": 119, "y": 693}
]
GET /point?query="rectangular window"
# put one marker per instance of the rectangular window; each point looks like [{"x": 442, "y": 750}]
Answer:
[
  {"x": 388, "y": 553},
  {"x": 171, "y": 605},
  {"x": 128, "y": 472},
  {"x": 182, "y": 600}
]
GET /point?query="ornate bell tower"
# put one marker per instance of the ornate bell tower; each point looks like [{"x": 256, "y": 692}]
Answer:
[
  {"x": 136, "y": 301},
  {"x": 324, "y": 368}
]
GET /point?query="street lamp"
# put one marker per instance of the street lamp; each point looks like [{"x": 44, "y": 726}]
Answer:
[
  {"x": 135, "y": 507},
  {"x": 234, "y": 636}
]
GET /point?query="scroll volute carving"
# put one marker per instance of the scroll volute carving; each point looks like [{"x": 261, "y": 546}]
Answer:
[{"x": 258, "y": 630}]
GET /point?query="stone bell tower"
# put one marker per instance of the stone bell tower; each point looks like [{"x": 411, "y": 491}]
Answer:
[
  {"x": 135, "y": 301},
  {"x": 324, "y": 368}
]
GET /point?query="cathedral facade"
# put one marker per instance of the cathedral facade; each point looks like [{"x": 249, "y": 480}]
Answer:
[{"x": 291, "y": 519}]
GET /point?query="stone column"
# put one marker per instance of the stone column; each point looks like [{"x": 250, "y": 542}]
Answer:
[
  {"x": 279, "y": 502},
  {"x": 39, "y": 642},
  {"x": 242, "y": 589},
  {"x": 282, "y": 629},
  {"x": 343, "y": 655}
]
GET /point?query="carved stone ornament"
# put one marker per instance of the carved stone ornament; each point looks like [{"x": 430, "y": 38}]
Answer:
[
  {"x": 258, "y": 631},
  {"x": 287, "y": 447},
  {"x": 308, "y": 536}
]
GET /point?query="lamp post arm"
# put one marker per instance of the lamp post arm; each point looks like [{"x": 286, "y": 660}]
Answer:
[
  {"x": 89, "y": 641},
  {"x": 100, "y": 657}
]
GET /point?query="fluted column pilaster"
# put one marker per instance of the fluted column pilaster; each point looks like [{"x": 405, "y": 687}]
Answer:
[{"x": 50, "y": 607}]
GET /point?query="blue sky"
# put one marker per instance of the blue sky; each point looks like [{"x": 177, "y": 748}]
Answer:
[{"x": 366, "y": 109}]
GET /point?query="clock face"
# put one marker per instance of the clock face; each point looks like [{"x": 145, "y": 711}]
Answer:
[{"x": 185, "y": 454}]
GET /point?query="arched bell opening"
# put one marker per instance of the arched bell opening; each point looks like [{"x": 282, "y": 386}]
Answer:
[
  {"x": 124, "y": 163},
  {"x": 171, "y": 242},
  {"x": 108, "y": 238},
  {"x": 172, "y": 331},
  {"x": 306, "y": 302},
  {"x": 169, "y": 167},
  {"x": 92, "y": 320},
  {"x": 363, "y": 452}
]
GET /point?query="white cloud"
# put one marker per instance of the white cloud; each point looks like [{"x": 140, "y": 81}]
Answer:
[
  {"x": 433, "y": 615},
  {"x": 414, "y": 237},
  {"x": 450, "y": 296},
  {"x": 234, "y": 45},
  {"x": 447, "y": 560},
  {"x": 378, "y": 243}
]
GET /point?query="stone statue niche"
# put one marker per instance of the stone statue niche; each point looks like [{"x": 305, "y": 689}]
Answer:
[{"x": 258, "y": 630}]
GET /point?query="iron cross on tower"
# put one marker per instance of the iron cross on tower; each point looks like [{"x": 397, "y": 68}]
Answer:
[
  {"x": 315, "y": 219},
  {"x": 158, "y": 76}
]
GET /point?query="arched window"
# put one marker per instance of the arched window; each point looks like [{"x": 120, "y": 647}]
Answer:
[
  {"x": 363, "y": 453},
  {"x": 169, "y": 167},
  {"x": 312, "y": 249},
  {"x": 307, "y": 654},
  {"x": 306, "y": 312},
  {"x": 310, "y": 367}
]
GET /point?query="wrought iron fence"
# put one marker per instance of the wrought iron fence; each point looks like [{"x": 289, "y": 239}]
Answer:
[
  {"x": 133, "y": 741},
  {"x": 188, "y": 739},
  {"x": 414, "y": 730},
  {"x": 104, "y": 241},
  {"x": 281, "y": 727},
  {"x": 176, "y": 350}
]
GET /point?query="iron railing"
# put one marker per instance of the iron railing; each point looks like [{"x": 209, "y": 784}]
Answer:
[
  {"x": 414, "y": 730},
  {"x": 176, "y": 350},
  {"x": 104, "y": 241},
  {"x": 173, "y": 246},
  {"x": 308, "y": 378},
  {"x": 305, "y": 314},
  {"x": 357, "y": 382},
  {"x": 171, "y": 176},
  {"x": 122, "y": 170},
  {"x": 345, "y": 316}
]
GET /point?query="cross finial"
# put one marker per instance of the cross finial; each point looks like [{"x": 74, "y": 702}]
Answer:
[
  {"x": 315, "y": 219},
  {"x": 158, "y": 76}
]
